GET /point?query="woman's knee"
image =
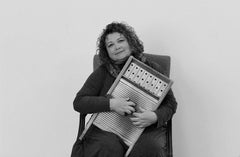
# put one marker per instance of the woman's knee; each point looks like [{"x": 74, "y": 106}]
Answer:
[
  {"x": 111, "y": 145},
  {"x": 149, "y": 147}
]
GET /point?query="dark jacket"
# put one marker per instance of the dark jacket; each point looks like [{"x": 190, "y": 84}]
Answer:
[{"x": 92, "y": 96}]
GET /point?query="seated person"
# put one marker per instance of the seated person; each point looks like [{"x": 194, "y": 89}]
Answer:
[{"x": 116, "y": 43}]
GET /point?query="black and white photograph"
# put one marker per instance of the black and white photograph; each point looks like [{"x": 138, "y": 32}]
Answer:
[{"x": 108, "y": 78}]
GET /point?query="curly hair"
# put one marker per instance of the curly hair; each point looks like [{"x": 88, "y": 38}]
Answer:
[{"x": 127, "y": 31}]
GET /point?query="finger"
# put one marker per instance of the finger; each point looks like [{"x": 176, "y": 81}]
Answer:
[
  {"x": 132, "y": 109},
  {"x": 136, "y": 114},
  {"x": 127, "y": 99},
  {"x": 139, "y": 125},
  {"x": 136, "y": 123},
  {"x": 128, "y": 112},
  {"x": 130, "y": 103},
  {"x": 134, "y": 119},
  {"x": 142, "y": 109}
]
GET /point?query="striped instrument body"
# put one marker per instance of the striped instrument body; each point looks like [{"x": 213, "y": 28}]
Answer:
[{"x": 145, "y": 87}]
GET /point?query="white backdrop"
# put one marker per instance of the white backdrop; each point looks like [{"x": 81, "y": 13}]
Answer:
[{"x": 46, "y": 50}]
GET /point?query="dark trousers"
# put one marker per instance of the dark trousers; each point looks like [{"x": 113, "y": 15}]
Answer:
[{"x": 99, "y": 143}]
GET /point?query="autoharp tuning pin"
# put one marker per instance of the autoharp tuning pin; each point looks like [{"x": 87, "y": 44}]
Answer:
[
  {"x": 162, "y": 88},
  {"x": 129, "y": 70},
  {"x": 134, "y": 72},
  {"x": 138, "y": 75}
]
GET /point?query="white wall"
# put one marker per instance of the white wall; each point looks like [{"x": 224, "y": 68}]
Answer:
[{"x": 46, "y": 50}]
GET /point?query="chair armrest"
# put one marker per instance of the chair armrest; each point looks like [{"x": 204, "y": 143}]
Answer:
[{"x": 81, "y": 124}]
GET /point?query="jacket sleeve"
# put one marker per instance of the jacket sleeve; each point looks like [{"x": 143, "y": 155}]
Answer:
[
  {"x": 87, "y": 99},
  {"x": 166, "y": 109},
  {"x": 168, "y": 106}
]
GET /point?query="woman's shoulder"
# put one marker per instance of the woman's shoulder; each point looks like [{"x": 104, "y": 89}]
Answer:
[
  {"x": 98, "y": 74},
  {"x": 156, "y": 66},
  {"x": 101, "y": 69}
]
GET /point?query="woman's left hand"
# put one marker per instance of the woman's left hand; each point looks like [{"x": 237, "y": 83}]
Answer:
[{"x": 143, "y": 118}]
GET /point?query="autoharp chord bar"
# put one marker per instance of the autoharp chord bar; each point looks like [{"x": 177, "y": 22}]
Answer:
[{"x": 145, "y": 79}]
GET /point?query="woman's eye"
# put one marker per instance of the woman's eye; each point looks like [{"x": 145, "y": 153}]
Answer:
[{"x": 110, "y": 45}]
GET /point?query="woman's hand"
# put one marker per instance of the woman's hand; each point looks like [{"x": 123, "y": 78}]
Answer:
[
  {"x": 122, "y": 106},
  {"x": 143, "y": 118}
]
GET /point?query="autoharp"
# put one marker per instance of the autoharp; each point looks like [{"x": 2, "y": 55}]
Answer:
[{"x": 144, "y": 86}]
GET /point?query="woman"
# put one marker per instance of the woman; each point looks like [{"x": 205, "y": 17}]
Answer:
[{"x": 116, "y": 43}]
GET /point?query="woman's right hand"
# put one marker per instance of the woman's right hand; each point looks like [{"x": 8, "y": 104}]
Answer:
[{"x": 122, "y": 106}]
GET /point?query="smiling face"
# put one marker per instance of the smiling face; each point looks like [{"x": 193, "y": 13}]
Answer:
[{"x": 117, "y": 47}]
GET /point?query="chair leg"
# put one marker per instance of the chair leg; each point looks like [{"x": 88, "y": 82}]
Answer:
[{"x": 169, "y": 138}]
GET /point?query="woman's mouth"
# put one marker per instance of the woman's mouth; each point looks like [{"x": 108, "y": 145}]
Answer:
[{"x": 117, "y": 53}]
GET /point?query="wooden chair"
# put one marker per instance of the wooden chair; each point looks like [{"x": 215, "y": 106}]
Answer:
[{"x": 164, "y": 61}]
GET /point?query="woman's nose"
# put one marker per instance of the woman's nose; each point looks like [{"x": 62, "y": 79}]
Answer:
[{"x": 117, "y": 46}]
